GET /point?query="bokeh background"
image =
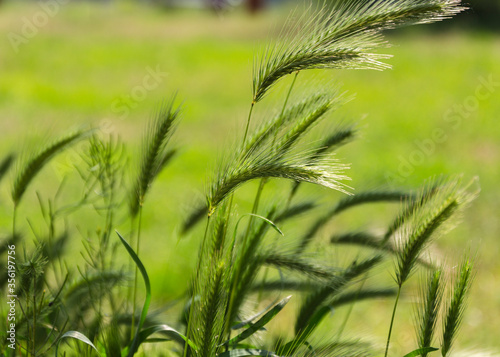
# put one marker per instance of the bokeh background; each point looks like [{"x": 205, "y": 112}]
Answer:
[{"x": 110, "y": 63}]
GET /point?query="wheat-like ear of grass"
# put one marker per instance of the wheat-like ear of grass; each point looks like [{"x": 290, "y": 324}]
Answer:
[
  {"x": 428, "y": 220},
  {"x": 368, "y": 240},
  {"x": 155, "y": 152},
  {"x": 36, "y": 162},
  {"x": 348, "y": 202},
  {"x": 270, "y": 127},
  {"x": 456, "y": 306},
  {"x": 343, "y": 37},
  {"x": 230, "y": 179},
  {"x": 298, "y": 264},
  {"x": 316, "y": 299},
  {"x": 427, "y": 314}
]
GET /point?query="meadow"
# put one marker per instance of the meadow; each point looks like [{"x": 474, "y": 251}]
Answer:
[{"x": 435, "y": 112}]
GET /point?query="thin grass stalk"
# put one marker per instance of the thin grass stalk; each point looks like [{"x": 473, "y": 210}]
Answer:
[
  {"x": 137, "y": 247},
  {"x": 351, "y": 307},
  {"x": 34, "y": 316},
  {"x": 264, "y": 180},
  {"x": 284, "y": 107},
  {"x": 248, "y": 123},
  {"x": 392, "y": 321}
]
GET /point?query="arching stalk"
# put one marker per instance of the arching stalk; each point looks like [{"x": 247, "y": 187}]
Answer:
[{"x": 392, "y": 322}]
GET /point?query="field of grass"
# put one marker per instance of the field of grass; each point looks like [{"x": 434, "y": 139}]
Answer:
[{"x": 434, "y": 112}]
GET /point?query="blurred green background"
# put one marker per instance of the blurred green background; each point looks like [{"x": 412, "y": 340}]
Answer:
[{"x": 111, "y": 63}]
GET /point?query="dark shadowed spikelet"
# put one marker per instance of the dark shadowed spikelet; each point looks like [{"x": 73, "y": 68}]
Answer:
[
  {"x": 316, "y": 299},
  {"x": 337, "y": 138},
  {"x": 5, "y": 164},
  {"x": 237, "y": 173},
  {"x": 270, "y": 127},
  {"x": 311, "y": 117},
  {"x": 298, "y": 264},
  {"x": 348, "y": 202},
  {"x": 36, "y": 162}
]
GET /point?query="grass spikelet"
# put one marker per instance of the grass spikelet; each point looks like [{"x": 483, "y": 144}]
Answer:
[
  {"x": 419, "y": 239},
  {"x": 427, "y": 222},
  {"x": 286, "y": 285},
  {"x": 360, "y": 295},
  {"x": 367, "y": 240},
  {"x": 339, "y": 137},
  {"x": 427, "y": 192},
  {"x": 343, "y": 38},
  {"x": 234, "y": 175},
  {"x": 427, "y": 315},
  {"x": 155, "y": 153},
  {"x": 428, "y": 216},
  {"x": 290, "y": 115},
  {"x": 309, "y": 120},
  {"x": 348, "y": 202},
  {"x": 5, "y": 164},
  {"x": 37, "y": 161},
  {"x": 315, "y": 300},
  {"x": 299, "y": 265},
  {"x": 456, "y": 306}
]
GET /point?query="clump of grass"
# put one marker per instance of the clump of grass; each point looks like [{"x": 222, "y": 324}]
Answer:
[
  {"x": 238, "y": 269},
  {"x": 430, "y": 218}
]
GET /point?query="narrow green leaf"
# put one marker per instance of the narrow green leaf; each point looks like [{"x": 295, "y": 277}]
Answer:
[
  {"x": 421, "y": 351},
  {"x": 171, "y": 333},
  {"x": 147, "y": 301},
  {"x": 78, "y": 336},
  {"x": 259, "y": 323},
  {"x": 271, "y": 223}
]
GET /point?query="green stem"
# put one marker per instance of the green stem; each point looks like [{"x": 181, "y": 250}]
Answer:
[
  {"x": 351, "y": 307},
  {"x": 284, "y": 106},
  {"x": 264, "y": 181},
  {"x": 248, "y": 123},
  {"x": 34, "y": 315},
  {"x": 137, "y": 246},
  {"x": 191, "y": 307},
  {"x": 392, "y": 321}
]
